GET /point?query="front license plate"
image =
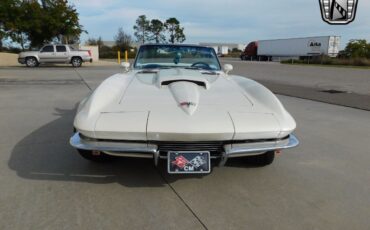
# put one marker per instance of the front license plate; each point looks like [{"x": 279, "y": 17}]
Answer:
[{"x": 189, "y": 162}]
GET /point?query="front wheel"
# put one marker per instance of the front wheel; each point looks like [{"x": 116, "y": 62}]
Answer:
[
  {"x": 94, "y": 156},
  {"x": 76, "y": 62},
  {"x": 31, "y": 62}
]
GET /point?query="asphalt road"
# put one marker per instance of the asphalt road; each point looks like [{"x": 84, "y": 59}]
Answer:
[
  {"x": 322, "y": 184},
  {"x": 354, "y": 80},
  {"x": 341, "y": 86}
]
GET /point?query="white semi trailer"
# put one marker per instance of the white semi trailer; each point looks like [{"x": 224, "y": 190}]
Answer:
[{"x": 292, "y": 48}]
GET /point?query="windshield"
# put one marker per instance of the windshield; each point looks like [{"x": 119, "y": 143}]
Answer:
[{"x": 169, "y": 56}]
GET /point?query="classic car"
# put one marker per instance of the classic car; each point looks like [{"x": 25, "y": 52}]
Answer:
[{"x": 177, "y": 104}]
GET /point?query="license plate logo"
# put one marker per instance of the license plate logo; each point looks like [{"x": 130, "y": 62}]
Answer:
[
  {"x": 188, "y": 162},
  {"x": 180, "y": 162}
]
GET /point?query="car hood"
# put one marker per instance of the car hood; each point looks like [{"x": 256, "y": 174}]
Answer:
[
  {"x": 182, "y": 90},
  {"x": 186, "y": 105}
]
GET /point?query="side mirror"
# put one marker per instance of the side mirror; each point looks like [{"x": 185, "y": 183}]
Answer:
[
  {"x": 228, "y": 68},
  {"x": 126, "y": 66}
]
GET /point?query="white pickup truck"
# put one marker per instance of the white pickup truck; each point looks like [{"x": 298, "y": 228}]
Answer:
[{"x": 55, "y": 54}]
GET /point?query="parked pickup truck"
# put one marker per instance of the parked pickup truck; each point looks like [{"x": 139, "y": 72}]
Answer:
[{"x": 55, "y": 54}]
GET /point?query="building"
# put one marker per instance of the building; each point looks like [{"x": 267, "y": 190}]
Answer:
[
  {"x": 223, "y": 48},
  {"x": 109, "y": 43}
]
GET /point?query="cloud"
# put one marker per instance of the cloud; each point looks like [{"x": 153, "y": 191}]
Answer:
[{"x": 223, "y": 21}]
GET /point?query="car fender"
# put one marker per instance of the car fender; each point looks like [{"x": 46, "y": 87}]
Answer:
[
  {"x": 30, "y": 55},
  {"x": 109, "y": 92},
  {"x": 262, "y": 95}
]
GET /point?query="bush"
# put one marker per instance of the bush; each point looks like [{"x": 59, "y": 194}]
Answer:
[
  {"x": 361, "y": 62},
  {"x": 15, "y": 50},
  {"x": 233, "y": 54},
  {"x": 107, "y": 52}
]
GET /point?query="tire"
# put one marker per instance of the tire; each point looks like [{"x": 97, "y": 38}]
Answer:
[
  {"x": 88, "y": 155},
  {"x": 262, "y": 160},
  {"x": 76, "y": 62},
  {"x": 31, "y": 62}
]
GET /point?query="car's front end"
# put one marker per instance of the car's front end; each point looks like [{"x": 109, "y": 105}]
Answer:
[
  {"x": 22, "y": 60},
  {"x": 23, "y": 55},
  {"x": 221, "y": 150},
  {"x": 186, "y": 114}
]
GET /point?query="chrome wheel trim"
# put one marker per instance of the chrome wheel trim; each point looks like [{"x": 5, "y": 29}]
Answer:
[
  {"x": 76, "y": 62},
  {"x": 31, "y": 62}
]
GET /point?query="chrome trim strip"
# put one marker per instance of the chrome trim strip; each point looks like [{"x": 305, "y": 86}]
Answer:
[
  {"x": 133, "y": 155},
  {"x": 258, "y": 148},
  {"x": 156, "y": 158},
  {"x": 126, "y": 149},
  {"x": 250, "y": 149},
  {"x": 119, "y": 147}
]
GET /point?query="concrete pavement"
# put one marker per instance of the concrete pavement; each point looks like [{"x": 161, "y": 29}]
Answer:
[
  {"x": 335, "y": 85},
  {"x": 322, "y": 184},
  {"x": 354, "y": 80}
]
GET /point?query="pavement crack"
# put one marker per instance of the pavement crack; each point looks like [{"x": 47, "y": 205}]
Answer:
[
  {"x": 82, "y": 79},
  {"x": 182, "y": 200}
]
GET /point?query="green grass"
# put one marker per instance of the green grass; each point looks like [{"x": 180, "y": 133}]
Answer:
[
  {"x": 331, "y": 65},
  {"x": 361, "y": 63}
]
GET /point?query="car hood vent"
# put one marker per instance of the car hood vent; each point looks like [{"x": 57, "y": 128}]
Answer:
[
  {"x": 199, "y": 83},
  {"x": 168, "y": 76}
]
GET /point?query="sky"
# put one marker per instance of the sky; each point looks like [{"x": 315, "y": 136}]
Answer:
[{"x": 229, "y": 21}]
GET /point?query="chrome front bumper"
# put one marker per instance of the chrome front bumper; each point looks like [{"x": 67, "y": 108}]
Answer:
[{"x": 145, "y": 150}]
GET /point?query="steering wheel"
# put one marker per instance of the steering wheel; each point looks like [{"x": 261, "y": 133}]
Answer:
[{"x": 201, "y": 64}]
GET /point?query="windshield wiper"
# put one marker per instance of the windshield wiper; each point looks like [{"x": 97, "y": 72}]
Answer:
[{"x": 205, "y": 71}]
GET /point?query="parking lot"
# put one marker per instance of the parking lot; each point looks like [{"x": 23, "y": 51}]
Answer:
[{"x": 322, "y": 184}]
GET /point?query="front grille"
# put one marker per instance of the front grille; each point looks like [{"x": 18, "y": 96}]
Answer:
[{"x": 215, "y": 147}]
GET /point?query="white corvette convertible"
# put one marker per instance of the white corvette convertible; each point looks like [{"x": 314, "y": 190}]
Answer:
[{"x": 177, "y": 104}]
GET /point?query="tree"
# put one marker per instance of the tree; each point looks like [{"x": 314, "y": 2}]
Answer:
[
  {"x": 11, "y": 24},
  {"x": 99, "y": 42},
  {"x": 91, "y": 42},
  {"x": 175, "y": 31},
  {"x": 236, "y": 50},
  {"x": 44, "y": 3},
  {"x": 95, "y": 42},
  {"x": 4, "y": 8},
  {"x": 36, "y": 25},
  {"x": 123, "y": 40},
  {"x": 28, "y": 21},
  {"x": 358, "y": 49},
  {"x": 141, "y": 29},
  {"x": 64, "y": 19},
  {"x": 156, "y": 30}
]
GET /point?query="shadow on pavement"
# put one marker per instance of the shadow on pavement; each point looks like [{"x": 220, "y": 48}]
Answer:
[{"x": 45, "y": 154}]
